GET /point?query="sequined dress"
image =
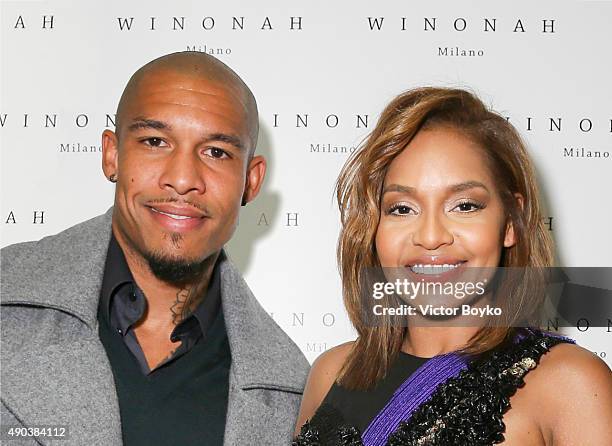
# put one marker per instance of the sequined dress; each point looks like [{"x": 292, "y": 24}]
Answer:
[{"x": 466, "y": 409}]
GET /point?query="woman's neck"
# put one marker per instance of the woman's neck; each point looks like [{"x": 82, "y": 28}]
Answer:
[
  {"x": 428, "y": 342},
  {"x": 427, "y": 338}
]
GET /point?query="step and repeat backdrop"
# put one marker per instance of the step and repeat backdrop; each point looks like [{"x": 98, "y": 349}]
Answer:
[{"x": 322, "y": 72}]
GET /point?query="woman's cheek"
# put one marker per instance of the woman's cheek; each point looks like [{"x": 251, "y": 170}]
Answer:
[
  {"x": 388, "y": 244},
  {"x": 482, "y": 242}
]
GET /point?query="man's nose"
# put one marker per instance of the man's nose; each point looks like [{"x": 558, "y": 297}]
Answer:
[{"x": 183, "y": 173}]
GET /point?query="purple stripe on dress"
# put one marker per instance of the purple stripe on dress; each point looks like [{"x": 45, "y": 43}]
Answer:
[
  {"x": 417, "y": 389},
  {"x": 528, "y": 331}
]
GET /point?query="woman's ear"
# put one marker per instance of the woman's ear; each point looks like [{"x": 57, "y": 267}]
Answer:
[{"x": 510, "y": 236}]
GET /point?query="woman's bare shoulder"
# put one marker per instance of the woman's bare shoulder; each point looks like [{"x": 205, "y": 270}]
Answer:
[
  {"x": 570, "y": 364},
  {"x": 323, "y": 373},
  {"x": 332, "y": 360},
  {"x": 573, "y": 389},
  {"x": 326, "y": 368}
]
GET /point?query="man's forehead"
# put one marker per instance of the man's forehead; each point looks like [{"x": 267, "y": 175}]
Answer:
[
  {"x": 160, "y": 82},
  {"x": 194, "y": 79},
  {"x": 176, "y": 91}
]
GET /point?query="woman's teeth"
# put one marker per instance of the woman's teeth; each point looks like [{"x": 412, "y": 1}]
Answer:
[{"x": 433, "y": 269}]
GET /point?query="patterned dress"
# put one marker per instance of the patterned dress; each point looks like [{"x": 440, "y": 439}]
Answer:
[{"x": 466, "y": 409}]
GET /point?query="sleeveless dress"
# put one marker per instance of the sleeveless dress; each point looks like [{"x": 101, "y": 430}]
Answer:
[{"x": 465, "y": 409}]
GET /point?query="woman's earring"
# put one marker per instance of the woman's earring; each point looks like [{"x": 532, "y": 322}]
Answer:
[{"x": 112, "y": 178}]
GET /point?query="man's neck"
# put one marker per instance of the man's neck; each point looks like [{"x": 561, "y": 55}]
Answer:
[{"x": 167, "y": 304}]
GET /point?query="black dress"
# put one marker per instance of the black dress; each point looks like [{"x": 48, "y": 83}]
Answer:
[
  {"x": 359, "y": 407},
  {"x": 464, "y": 410}
]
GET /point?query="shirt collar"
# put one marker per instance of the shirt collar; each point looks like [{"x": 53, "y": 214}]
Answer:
[{"x": 117, "y": 274}]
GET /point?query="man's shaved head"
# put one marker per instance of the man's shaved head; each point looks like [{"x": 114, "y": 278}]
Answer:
[
  {"x": 197, "y": 66},
  {"x": 183, "y": 164}
]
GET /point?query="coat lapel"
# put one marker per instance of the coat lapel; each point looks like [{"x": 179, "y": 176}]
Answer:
[
  {"x": 263, "y": 360},
  {"x": 68, "y": 384},
  {"x": 62, "y": 382}
]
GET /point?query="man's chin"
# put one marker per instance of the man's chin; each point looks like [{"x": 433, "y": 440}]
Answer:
[{"x": 178, "y": 270}]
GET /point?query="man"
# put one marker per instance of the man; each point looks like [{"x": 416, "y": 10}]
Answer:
[{"x": 134, "y": 327}]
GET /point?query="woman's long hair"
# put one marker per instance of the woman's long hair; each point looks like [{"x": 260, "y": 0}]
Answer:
[{"x": 359, "y": 189}]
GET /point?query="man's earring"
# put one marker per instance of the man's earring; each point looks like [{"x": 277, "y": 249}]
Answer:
[
  {"x": 244, "y": 201},
  {"x": 112, "y": 178}
]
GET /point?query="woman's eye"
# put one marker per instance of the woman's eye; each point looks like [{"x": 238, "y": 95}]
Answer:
[
  {"x": 216, "y": 152},
  {"x": 400, "y": 209},
  {"x": 154, "y": 142},
  {"x": 468, "y": 206}
]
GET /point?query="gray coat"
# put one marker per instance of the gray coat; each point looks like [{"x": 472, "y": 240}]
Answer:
[{"x": 55, "y": 370}]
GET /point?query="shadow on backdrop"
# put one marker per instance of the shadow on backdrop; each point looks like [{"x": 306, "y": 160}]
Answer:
[{"x": 258, "y": 217}]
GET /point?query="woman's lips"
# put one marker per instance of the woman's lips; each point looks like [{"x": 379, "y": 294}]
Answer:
[{"x": 436, "y": 272}]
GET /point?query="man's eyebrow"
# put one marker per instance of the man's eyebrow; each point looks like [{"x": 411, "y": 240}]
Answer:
[
  {"x": 229, "y": 139},
  {"x": 144, "y": 123},
  {"x": 459, "y": 187}
]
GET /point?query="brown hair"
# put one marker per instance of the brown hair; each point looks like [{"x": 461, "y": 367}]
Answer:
[{"x": 359, "y": 189}]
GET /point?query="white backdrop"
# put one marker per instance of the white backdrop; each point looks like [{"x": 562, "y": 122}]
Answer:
[{"x": 322, "y": 72}]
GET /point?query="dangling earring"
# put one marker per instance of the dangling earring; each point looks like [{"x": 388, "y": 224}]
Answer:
[{"x": 112, "y": 178}]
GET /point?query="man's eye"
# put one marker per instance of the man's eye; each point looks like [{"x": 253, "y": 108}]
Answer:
[
  {"x": 216, "y": 152},
  {"x": 154, "y": 142}
]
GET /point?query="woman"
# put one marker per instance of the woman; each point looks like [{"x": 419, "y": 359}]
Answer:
[{"x": 443, "y": 180}]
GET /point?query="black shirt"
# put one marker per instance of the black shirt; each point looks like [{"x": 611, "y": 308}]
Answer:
[
  {"x": 123, "y": 304},
  {"x": 184, "y": 401}
]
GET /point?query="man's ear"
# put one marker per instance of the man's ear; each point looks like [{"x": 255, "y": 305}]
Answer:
[
  {"x": 110, "y": 153},
  {"x": 256, "y": 171},
  {"x": 510, "y": 236}
]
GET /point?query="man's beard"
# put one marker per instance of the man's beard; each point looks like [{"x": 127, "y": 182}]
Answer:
[{"x": 175, "y": 270}]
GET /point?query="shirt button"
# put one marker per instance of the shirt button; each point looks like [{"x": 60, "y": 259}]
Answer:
[{"x": 119, "y": 330}]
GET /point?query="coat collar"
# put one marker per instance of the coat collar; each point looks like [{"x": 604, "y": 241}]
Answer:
[{"x": 69, "y": 267}]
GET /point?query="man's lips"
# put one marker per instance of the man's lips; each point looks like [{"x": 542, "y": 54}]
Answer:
[
  {"x": 177, "y": 218},
  {"x": 181, "y": 212}
]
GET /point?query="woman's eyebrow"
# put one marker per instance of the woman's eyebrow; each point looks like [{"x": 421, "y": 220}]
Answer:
[
  {"x": 459, "y": 187},
  {"x": 467, "y": 185},
  {"x": 399, "y": 188}
]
